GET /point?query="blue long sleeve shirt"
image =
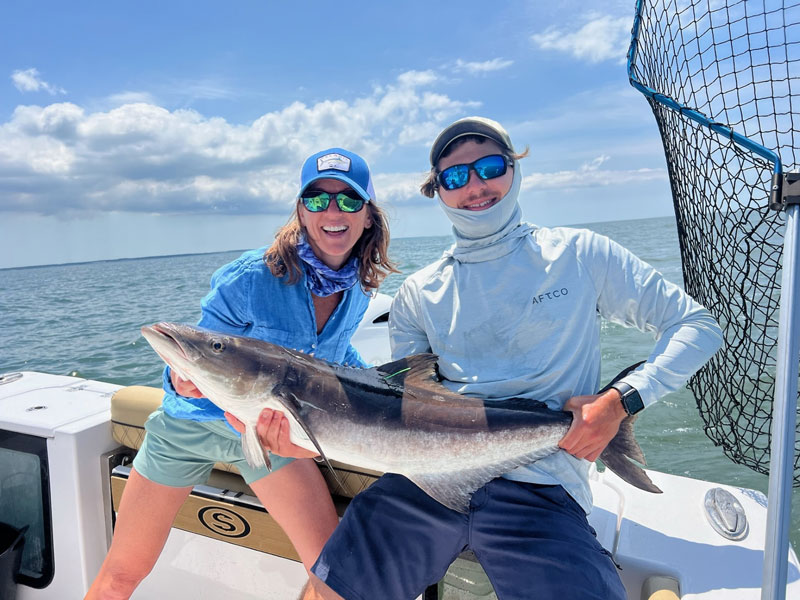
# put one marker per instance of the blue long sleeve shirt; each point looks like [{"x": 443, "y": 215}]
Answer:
[{"x": 247, "y": 299}]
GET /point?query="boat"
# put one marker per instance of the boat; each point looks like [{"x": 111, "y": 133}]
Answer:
[{"x": 67, "y": 443}]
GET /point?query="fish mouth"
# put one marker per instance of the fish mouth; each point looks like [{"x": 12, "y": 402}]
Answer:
[{"x": 160, "y": 335}]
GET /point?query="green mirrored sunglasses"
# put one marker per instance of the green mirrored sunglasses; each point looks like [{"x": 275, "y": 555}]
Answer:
[{"x": 316, "y": 201}]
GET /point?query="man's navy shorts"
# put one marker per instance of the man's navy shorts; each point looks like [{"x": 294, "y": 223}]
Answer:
[{"x": 533, "y": 541}]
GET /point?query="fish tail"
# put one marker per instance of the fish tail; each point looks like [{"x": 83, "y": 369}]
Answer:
[
  {"x": 254, "y": 452},
  {"x": 620, "y": 453}
]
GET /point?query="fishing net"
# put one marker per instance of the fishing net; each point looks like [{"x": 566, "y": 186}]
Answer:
[{"x": 721, "y": 70}]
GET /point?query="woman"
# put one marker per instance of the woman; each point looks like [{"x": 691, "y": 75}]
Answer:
[{"x": 308, "y": 291}]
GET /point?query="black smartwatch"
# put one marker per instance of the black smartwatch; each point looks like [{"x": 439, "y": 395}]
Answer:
[{"x": 631, "y": 400}]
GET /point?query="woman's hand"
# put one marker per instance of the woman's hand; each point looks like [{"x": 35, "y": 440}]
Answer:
[
  {"x": 273, "y": 431},
  {"x": 183, "y": 386}
]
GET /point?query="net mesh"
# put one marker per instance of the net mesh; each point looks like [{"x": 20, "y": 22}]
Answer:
[{"x": 737, "y": 63}]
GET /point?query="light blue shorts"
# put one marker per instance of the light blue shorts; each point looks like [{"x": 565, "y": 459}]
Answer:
[{"x": 181, "y": 452}]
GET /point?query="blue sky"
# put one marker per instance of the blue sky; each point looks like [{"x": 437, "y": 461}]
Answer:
[{"x": 138, "y": 129}]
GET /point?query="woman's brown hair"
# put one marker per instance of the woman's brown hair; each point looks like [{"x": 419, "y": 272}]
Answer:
[
  {"x": 431, "y": 183},
  {"x": 371, "y": 248}
]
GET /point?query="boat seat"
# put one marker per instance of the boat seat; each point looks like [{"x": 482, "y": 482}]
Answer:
[{"x": 130, "y": 407}]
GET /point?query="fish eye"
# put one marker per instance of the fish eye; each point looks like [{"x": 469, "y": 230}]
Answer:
[{"x": 217, "y": 346}]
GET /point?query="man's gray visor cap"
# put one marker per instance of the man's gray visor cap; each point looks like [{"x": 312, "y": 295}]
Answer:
[{"x": 470, "y": 126}]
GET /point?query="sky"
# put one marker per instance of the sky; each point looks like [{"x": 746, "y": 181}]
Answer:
[{"x": 149, "y": 128}]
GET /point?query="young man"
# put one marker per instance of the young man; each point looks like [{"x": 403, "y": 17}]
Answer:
[{"x": 513, "y": 311}]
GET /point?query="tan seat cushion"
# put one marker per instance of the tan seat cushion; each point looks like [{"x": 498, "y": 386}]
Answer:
[{"x": 130, "y": 407}]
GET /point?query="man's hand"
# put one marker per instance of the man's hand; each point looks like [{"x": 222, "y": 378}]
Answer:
[
  {"x": 595, "y": 422},
  {"x": 273, "y": 431},
  {"x": 183, "y": 386}
]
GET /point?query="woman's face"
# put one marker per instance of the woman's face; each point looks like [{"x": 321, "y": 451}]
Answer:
[{"x": 333, "y": 233}]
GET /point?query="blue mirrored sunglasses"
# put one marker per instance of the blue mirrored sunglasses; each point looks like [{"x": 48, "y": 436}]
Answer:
[
  {"x": 348, "y": 202},
  {"x": 488, "y": 167}
]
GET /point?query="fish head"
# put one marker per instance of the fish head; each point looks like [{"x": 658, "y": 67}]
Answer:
[{"x": 227, "y": 369}]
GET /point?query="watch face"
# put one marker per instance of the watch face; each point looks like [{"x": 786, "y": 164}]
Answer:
[
  {"x": 632, "y": 402},
  {"x": 630, "y": 398}
]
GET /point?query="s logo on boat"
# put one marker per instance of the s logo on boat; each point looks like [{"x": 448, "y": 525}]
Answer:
[{"x": 223, "y": 521}]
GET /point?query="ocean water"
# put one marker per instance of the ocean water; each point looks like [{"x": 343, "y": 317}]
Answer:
[{"x": 84, "y": 319}]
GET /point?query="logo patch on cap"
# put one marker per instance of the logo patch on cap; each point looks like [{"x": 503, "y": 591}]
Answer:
[{"x": 333, "y": 161}]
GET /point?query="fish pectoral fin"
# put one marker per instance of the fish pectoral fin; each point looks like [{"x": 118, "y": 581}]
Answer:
[
  {"x": 254, "y": 452},
  {"x": 292, "y": 403}
]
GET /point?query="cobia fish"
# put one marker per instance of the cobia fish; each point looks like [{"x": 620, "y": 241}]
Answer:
[{"x": 395, "y": 418}]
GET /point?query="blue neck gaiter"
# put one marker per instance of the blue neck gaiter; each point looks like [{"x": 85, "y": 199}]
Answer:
[{"x": 321, "y": 279}]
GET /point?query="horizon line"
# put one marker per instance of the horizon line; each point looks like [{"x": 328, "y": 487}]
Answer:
[{"x": 179, "y": 254}]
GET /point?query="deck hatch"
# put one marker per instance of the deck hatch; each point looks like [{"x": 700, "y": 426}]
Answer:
[{"x": 725, "y": 514}]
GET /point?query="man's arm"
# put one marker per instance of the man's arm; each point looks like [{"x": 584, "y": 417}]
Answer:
[{"x": 634, "y": 294}]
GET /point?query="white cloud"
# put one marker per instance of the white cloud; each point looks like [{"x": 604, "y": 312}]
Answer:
[
  {"x": 476, "y": 68},
  {"x": 601, "y": 38},
  {"x": 400, "y": 188},
  {"x": 417, "y": 78},
  {"x": 142, "y": 157},
  {"x": 30, "y": 81},
  {"x": 591, "y": 175},
  {"x": 130, "y": 97}
]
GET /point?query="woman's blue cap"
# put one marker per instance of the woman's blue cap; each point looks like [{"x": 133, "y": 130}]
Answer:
[{"x": 337, "y": 163}]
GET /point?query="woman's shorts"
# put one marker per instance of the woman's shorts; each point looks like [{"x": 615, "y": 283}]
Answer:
[{"x": 181, "y": 452}]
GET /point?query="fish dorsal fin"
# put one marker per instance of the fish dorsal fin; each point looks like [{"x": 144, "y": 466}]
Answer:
[
  {"x": 417, "y": 369},
  {"x": 426, "y": 403}
]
